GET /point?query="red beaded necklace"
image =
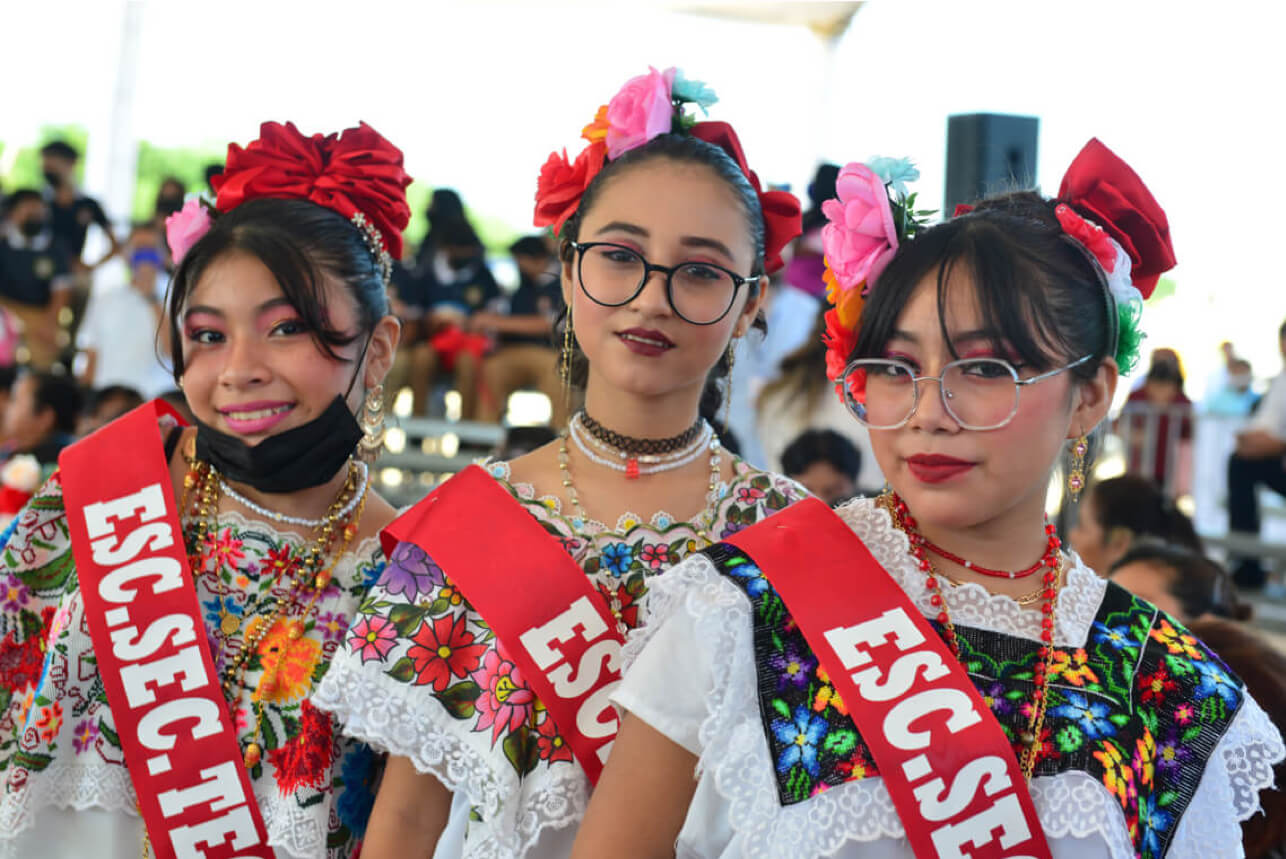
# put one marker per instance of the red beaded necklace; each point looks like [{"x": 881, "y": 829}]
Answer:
[
  {"x": 1030, "y": 738},
  {"x": 1048, "y": 560}
]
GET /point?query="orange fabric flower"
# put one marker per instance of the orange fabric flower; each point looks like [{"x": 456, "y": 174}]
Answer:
[
  {"x": 596, "y": 131},
  {"x": 288, "y": 659}
]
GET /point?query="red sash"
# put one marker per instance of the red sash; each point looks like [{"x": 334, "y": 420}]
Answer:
[
  {"x": 949, "y": 768},
  {"x": 150, "y": 642},
  {"x": 551, "y": 621}
]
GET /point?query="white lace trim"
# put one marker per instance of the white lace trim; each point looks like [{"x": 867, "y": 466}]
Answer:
[
  {"x": 1071, "y": 804},
  {"x": 406, "y": 721}
]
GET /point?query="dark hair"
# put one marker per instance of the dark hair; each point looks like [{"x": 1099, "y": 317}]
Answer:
[
  {"x": 7, "y": 377},
  {"x": 17, "y": 198},
  {"x": 683, "y": 150},
  {"x": 802, "y": 373},
  {"x": 1262, "y": 668},
  {"x": 1199, "y": 584},
  {"x": 455, "y": 233},
  {"x": 59, "y": 393},
  {"x": 212, "y": 170},
  {"x": 821, "y": 189},
  {"x": 300, "y": 243},
  {"x": 1137, "y": 504},
  {"x": 1039, "y": 294},
  {"x": 530, "y": 246},
  {"x": 106, "y": 394},
  {"x": 821, "y": 445},
  {"x": 60, "y": 149}
]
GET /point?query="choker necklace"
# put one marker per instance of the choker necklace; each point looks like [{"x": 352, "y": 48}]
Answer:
[
  {"x": 706, "y": 521},
  {"x": 1029, "y": 739},
  {"x": 628, "y": 464},
  {"x": 362, "y": 472},
  {"x": 1047, "y": 560},
  {"x": 635, "y": 450}
]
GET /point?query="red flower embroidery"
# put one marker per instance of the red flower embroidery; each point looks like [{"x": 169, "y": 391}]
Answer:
[
  {"x": 1156, "y": 686},
  {"x": 550, "y": 743},
  {"x": 305, "y": 760},
  {"x": 20, "y": 663},
  {"x": 442, "y": 650},
  {"x": 621, "y": 603}
]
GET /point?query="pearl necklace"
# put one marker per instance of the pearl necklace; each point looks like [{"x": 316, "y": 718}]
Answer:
[
  {"x": 300, "y": 521},
  {"x": 631, "y": 467},
  {"x": 706, "y": 523}
]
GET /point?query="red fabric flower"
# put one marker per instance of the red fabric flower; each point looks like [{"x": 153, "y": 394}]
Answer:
[
  {"x": 1093, "y": 237},
  {"x": 962, "y": 209},
  {"x": 839, "y": 345},
  {"x": 355, "y": 171},
  {"x": 305, "y": 760},
  {"x": 1102, "y": 186},
  {"x": 442, "y": 650},
  {"x": 782, "y": 215},
  {"x": 562, "y": 184}
]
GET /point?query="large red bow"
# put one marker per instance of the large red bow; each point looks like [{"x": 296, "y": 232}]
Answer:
[
  {"x": 356, "y": 171},
  {"x": 1102, "y": 185},
  {"x": 782, "y": 215}
]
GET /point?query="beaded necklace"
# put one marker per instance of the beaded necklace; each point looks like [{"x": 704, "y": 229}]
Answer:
[
  {"x": 661, "y": 453},
  {"x": 1048, "y": 594},
  {"x": 308, "y": 579}
]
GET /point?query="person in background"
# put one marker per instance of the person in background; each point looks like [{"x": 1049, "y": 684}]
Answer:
[
  {"x": 1184, "y": 584},
  {"x": 1256, "y": 461},
  {"x": 1263, "y": 669},
  {"x": 524, "y": 355},
  {"x": 825, "y": 462},
  {"x": 121, "y": 336},
  {"x": 8, "y": 375},
  {"x": 40, "y": 417},
  {"x": 1158, "y": 418},
  {"x": 169, "y": 199},
  {"x": 211, "y": 170},
  {"x": 1114, "y": 513},
  {"x": 71, "y": 212},
  {"x": 106, "y": 405},
  {"x": 800, "y": 398},
  {"x": 35, "y": 276},
  {"x": 1234, "y": 398}
]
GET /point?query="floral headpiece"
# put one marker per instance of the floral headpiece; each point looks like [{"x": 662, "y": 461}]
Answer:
[
  {"x": 356, "y": 173},
  {"x": 870, "y": 217},
  {"x": 1103, "y": 207},
  {"x": 648, "y": 106}
]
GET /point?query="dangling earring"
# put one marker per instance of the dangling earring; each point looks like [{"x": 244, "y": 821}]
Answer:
[
  {"x": 372, "y": 423},
  {"x": 1076, "y": 476},
  {"x": 565, "y": 362},
  {"x": 727, "y": 389}
]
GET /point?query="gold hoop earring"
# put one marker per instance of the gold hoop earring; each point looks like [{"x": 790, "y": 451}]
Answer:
[
  {"x": 1076, "y": 475},
  {"x": 727, "y": 389},
  {"x": 372, "y": 423}
]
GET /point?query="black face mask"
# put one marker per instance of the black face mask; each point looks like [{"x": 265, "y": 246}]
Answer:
[
  {"x": 296, "y": 459},
  {"x": 32, "y": 228},
  {"x": 53, "y": 179}
]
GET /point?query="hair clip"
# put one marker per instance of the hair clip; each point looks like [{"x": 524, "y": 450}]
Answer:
[{"x": 375, "y": 243}]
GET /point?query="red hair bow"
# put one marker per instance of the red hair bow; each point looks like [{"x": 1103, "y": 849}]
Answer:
[
  {"x": 782, "y": 214},
  {"x": 1105, "y": 188},
  {"x": 355, "y": 171}
]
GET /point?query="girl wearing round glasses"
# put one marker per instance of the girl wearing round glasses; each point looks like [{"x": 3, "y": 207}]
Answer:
[
  {"x": 484, "y": 660},
  {"x": 929, "y": 673}
]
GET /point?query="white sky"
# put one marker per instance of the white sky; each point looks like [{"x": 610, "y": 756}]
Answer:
[{"x": 478, "y": 93}]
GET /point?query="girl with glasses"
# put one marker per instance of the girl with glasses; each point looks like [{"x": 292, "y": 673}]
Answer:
[
  {"x": 484, "y": 661},
  {"x": 929, "y": 673}
]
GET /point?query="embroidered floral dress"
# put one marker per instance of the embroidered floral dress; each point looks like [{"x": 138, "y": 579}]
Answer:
[
  {"x": 1150, "y": 746},
  {"x": 423, "y": 677},
  {"x": 59, "y": 751}
]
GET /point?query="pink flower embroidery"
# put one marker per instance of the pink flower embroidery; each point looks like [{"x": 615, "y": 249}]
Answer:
[
  {"x": 225, "y": 549},
  {"x": 372, "y": 638},
  {"x": 655, "y": 555},
  {"x": 749, "y": 494},
  {"x": 861, "y": 238},
  {"x": 640, "y": 111},
  {"x": 185, "y": 228},
  {"x": 505, "y": 702}
]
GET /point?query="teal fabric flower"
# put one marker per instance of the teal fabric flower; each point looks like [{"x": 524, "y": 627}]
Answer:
[
  {"x": 894, "y": 171},
  {"x": 696, "y": 92}
]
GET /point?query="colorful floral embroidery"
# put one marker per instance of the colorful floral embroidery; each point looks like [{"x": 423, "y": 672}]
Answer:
[
  {"x": 1134, "y": 708},
  {"x": 54, "y": 717}
]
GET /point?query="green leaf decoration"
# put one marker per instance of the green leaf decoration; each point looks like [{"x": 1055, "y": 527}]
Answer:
[
  {"x": 406, "y": 618},
  {"x": 782, "y": 708},
  {"x": 111, "y": 736},
  {"x": 1167, "y": 798},
  {"x": 314, "y": 798},
  {"x": 1192, "y": 732},
  {"x": 840, "y": 743},
  {"x": 50, "y": 576},
  {"x": 775, "y": 500},
  {"x": 32, "y": 761},
  {"x": 1069, "y": 739},
  {"x": 798, "y": 783},
  {"x": 459, "y": 699},
  {"x": 521, "y": 750},
  {"x": 403, "y": 670},
  {"x": 1119, "y": 719}
]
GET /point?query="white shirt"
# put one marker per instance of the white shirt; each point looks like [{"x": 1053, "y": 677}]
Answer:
[
  {"x": 1271, "y": 414},
  {"x": 121, "y": 327}
]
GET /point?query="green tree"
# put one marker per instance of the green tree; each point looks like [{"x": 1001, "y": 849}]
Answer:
[{"x": 25, "y": 171}]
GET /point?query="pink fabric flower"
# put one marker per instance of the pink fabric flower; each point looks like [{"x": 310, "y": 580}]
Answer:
[
  {"x": 860, "y": 239},
  {"x": 185, "y": 228},
  {"x": 640, "y": 111}
]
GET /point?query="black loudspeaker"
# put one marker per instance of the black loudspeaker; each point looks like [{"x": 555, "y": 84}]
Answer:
[{"x": 988, "y": 153}]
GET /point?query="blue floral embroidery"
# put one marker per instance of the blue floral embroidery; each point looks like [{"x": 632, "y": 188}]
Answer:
[
  {"x": 1215, "y": 681},
  {"x": 616, "y": 558},
  {"x": 1118, "y": 637},
  {"x": 1090, "y": 716},
  {"x": 752, "y": 579},
  {"x": 800, "y": 736}
]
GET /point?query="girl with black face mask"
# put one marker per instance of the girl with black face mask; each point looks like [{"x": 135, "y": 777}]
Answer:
[{"x": 261, "y": 537}]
